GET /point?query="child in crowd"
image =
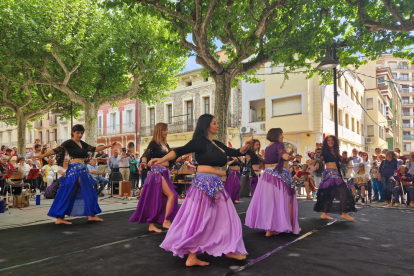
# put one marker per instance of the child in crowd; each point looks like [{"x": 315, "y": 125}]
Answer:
[
  {"x": 386, "y": 170},
  {"x": 376, "y": 184},
  {"x": 361, "y": 178},
  {"x": 406, "y": 179}
]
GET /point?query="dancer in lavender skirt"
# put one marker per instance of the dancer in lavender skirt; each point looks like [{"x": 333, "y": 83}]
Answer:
[
  {"x": 158, "y": 202},
  {"x": 207, "y": 220},
  {"x": 233, "y": 184},
  {"x": 274, "y": 207}
]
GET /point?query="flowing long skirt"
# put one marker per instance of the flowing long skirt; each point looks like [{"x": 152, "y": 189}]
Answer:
[
  {"x": 270, "y": 207},
  {"x": 253, "y": 181},
  {"x": 233, "y": 185},
  {"x": 206, "y": 222},
  {"x": 334, "y": 195},
  {"x": 152, "y": 202},
  {"x": 76, "y": 195}
]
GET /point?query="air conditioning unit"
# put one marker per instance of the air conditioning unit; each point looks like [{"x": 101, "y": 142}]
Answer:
[
  {"x": 369, "y": 140},
  {"x": 247, "y": 129},
  {"x": 263, "y": 127},
  {"x": 367, "y": 148}
]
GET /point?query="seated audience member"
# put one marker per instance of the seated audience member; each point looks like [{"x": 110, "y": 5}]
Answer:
[
  {"x": 298, "y": 160},
  {"x": 62, "y": 169},
  {"x": 406, "y": 179},
  {"x": 302, "y": 177},
  {"x": 93, "y": 170},
  {"x": 49, "y": 172},
  {"x": 361, "y": 178},
  {"x": 23, "y": 167}
]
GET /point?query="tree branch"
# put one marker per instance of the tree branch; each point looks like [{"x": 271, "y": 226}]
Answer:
[
  {"x": 68, "y": 74},
  {"x": 29, "y": 95},
  {"x": 209, "y": 15},
  {"x": 163, "y": 9},
  {"x": 254, "y": 63},
  {"x": 5, "y": 97}
]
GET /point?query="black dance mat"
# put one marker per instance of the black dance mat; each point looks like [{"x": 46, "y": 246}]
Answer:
[{"x": 379, "y": 242}]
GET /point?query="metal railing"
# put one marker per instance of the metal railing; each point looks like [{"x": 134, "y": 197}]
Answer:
[
  {"x": 408, "y": 137},
  {"x": 405, "y": 90},
  {"x": 404, "y": 78},
  {"x": 406, "y": 125},
  {"x": 406, "y": 114},
  {"x": 117, "y": 129},
  {"x": 183, "y": 126}
]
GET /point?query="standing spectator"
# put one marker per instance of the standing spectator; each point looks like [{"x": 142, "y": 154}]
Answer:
[
  {"x": 399, "y": 161},
  {"x": 347, "y": 169},
  {"x": 102, "y": 158},
  {"x": 376, "y": 184},
  {"x": 384, "y": 151},
  {"x": 138, "y": 157},
  {"x": 367, "y": 165},
  {"x": 133, "y": 176},
  {"x": 410, "y": 164},
  {"x": 100, "y": 181},
  {"x": 124, "y": 167},
  {"x": 15, "y": 152},
  {"x": 36, "y": 142},
  {"x": 386, "y": 170},
  {"x": 113, "y": 161},
  {"x": 377, "y": 152},
  {"x": 319, "y": 171},
  {"x": 356, "y": 159}
]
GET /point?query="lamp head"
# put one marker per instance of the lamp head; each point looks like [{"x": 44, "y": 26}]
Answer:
[{"x": 328, "y": 63}]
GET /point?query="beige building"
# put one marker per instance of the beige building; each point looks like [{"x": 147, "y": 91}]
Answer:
[
  {"x": 384, "y": 105},
  {"x": 304, "y": 109},
  {"x": 403, "y": 77},
  {"x": 193, "y": 97}
]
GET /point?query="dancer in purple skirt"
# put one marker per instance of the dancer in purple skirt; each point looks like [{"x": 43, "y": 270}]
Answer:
[
  {"x": 207, "y": 220},
  {"x": 255, "y": 159},
  {"x": 274, "y": 207},
  {"x": 158, "y": 202},
  {"x": 332, "y": 185},
  {"x": 233, "y": 184}
]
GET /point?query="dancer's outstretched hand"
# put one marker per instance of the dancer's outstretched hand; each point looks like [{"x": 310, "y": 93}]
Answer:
[{"x": 154, "y": 161}]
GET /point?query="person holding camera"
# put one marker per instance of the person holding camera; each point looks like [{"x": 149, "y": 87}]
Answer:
[{"x": 124, "y": 167}]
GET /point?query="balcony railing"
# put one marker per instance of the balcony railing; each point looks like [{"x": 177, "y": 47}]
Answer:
[
  {"x": 406, "y": 125},
  {"x": 406, "y": 114},
  {"x": 405, "y": 90},
  {"x": 116, "y": 129},
  {"x": 408, "y": 137},
  {"x": 404, "y": 78},
  {"x": 404, "y": 66},
  {"x": 183, "y": 126},
  {"x": 38, "y": 124},
  {"x": 53, "y": 120}
]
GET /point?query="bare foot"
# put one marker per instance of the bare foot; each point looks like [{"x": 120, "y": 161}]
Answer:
[
  {"x": 166, "y": 224},
  {"x": 236, "y": 201},
  {"x": 62, "y": 221},
  {"x": 194, "y": 262},
  {"x": 326, "y": 217},
  {"x": 347, "y": 217},
  {"x": 236, "y": 256},
  {"x": 300, "y": 229},
  {"x": 152, "y": 228},
  {"x": 95, "y": 218},
  {"x": 271, "y": 233}
]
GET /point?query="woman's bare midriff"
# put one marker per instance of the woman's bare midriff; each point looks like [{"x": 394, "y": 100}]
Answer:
[
  {"x": 256, "y": 167},
  {"x": 207, "y": 169},
  {"x": 331, "y": 165},
  {"x": 165, "y": 164},
  {"x": 234, "y": 168}
]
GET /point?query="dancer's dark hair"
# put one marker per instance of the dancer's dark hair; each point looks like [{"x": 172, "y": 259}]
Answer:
[
  {"x": 203, "y": 124},
  {"x": 273, "y": 134},
  {"x": 254, "y": 143},
  {"x": 326, "y": 148},
  {"x": 77, "y": 128}
]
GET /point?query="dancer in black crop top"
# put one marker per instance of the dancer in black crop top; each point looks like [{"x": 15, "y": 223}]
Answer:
[
  {"x": 158, "y": 202},
  {"x": 332, "y": 185},
  {"x": 196, "y": 225}
]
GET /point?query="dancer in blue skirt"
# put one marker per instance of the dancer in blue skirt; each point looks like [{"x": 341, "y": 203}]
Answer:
[{"x": 76, "y": 195}]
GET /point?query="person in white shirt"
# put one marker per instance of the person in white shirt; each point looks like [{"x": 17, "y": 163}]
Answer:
[
  {"x": 37, "y": 149},
  {"x": 123, "y": 160},
  {"x": 49, "y": 172},
  {"x": 62, "y": 169},
  {"x": 361, "y": 178},
  {"x": 347, "y": 169},
  {"x": 23, "y": 167}
]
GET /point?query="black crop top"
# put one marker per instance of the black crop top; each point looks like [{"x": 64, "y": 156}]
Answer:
[
  {"x": 155, "y": 150},
  {"x": 74, "y": 150},
  {"x": 206, "y": 153},
  {"x": 235, "y": 163},
  {"x": 329, "y": 157},
  {"x": 254, "y": 159}
]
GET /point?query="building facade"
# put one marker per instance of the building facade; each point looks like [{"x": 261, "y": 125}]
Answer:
[{"x": 194, "y": 96}]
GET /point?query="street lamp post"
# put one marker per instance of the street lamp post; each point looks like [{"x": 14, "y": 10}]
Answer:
[{"x": 330, "y": 62}]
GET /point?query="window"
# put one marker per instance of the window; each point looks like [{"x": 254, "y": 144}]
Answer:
[
  {"x": 41, "y": 137},
  {"x": 129, "y": 117},
  {"x": 357, "y": 127},
  {"x": 406, "y": 123},
  {"x": 405, "y": 100},
  {"x": 381, "y": 81},
  {"x": 392, "y": 64},
  {"x": 394, "y": 76},
  {"x": 352, "y": 93},
  {"x": 339, "y": 82},
  {"x": 346, "y": 120},
  {"x": 362, "y": 101},
  {"x": 403, "y": 65},
  {"x": 370, "y": 131},
  {"x": 404, "y": 77},
  {"x": 340, "y": 119},
  {"x": 287, "y": 106},
  {"x": 100, "y": 132},
  {"x": 47, "y": 135},
  {"x": 190, "y": 115},
  {"x": 189, "y": 83},
  {"x": 353, "y": 124},
  {"x": 362, "y": 130},
  {"x": 370, "y": 103},
  {"x": 206, "y": 102},
  {"x": 205, "y": 79},
  {"x": 381, "y": 132},
  {"x": 152, "y": 118},
  {"x": 346, "y": 87},
  {"x": 331, "y": 112},
  {"x": 55, "y": 136},
  {"x": 406, "y": 112},
  {"x": 406, "y": 133},
  {"x": 169, "y": 113},
  {"x": 113, "y": 121},
  {"x": 405, "y": 88},
  {"x": 262, "y": 114}
]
